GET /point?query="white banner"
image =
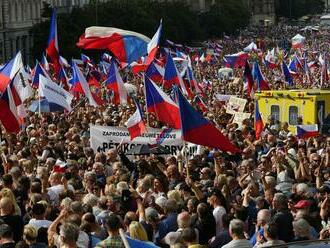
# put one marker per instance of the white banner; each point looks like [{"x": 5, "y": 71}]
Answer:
[
  {"x": 105, "y": 138},
  {"x": 235, "y": 104}
]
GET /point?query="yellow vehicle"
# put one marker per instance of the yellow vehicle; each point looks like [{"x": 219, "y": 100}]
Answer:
[{"x": 312, "y": 106}]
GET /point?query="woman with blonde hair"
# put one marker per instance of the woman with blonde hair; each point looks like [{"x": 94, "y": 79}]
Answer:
[
  {"x": 5, "y": 192},
  {"x": 30, "y": 235},
  {"x": 137, "y": 231}
]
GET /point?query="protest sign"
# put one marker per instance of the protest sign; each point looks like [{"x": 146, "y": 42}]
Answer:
[
  {"x": 105, "y": 138},
  {"x": 235, "y": 104}
]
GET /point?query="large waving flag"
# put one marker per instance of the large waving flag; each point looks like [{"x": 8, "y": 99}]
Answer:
[
  {"x": 115, "y": 83},
  {"x": 9, "y": 70},
  {"x": 135, "y": 124},
  {"x": 257, "y": 75},
  {"x": 9, "y": 114},
  {"x": 153, "y": 45},
  {"x": 78, "y": 79},
  {"x": 38, "y": 70},
  {"x": 135, "y": 243},
  {"x": 126, "y": 46},
  {"x": 258, "y": 123},
  {"x": 198, "y": 130},
  {"x": 52, "y": 50},
  {"x": 191, "y": 78},
  {"x": 286, "y": 74},
  {"x": 162, "y": 105},
  {"x": 155, "y": 72},
  {"x": 54, "y": 93},
  {"x": 307, "y": 131},
  {"x": 172, "y": 76},
  {"x": 236, "y": 60}
]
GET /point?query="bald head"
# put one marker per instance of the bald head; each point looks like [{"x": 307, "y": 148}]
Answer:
[
  {"x": 184, "y": 220},
  {"x": 263, "y": 217}
]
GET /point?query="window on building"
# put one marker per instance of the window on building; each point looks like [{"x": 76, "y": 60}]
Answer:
[
  {"x": 275, "y": 112},
  {"x": 293, "y": 115}
]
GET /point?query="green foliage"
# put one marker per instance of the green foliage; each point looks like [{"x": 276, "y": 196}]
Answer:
[
  {"x": 298, "y": 8},
  {"x": 180, "y": 24}
]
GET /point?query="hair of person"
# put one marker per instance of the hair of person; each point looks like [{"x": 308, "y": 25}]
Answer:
[
  {"x": 69, "y": 232},
  {"x": 112, "y": 223},
  {"x": 236, "y": 227},
  {"x": 137, "y": 231}
]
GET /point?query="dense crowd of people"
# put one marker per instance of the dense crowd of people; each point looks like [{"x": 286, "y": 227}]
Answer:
[{"x": 274, "y": 192}]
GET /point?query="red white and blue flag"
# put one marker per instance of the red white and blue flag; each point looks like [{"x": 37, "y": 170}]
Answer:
[
  {"x": 162, "y": 105},
  {"x": 153, "y": 45},
  {"x": 9, "y": 70},
  {"x": 115, "y": 83},
  {"x": 52, "y": 49},
  {"x": 135, "y": 123},
  {"x": 198, "y": 130},
  {"x": 38, "y": 70},
  {"x": 258, "y": 123},
  {"x": 286, "y": 73},
  {"x": 262, "y": 83},
  {"x": 307, "y": 131}
]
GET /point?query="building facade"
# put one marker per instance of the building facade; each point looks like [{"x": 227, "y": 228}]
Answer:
[
  {"x": 262, "y": 12},
  {"x": 16, "y": 20}
]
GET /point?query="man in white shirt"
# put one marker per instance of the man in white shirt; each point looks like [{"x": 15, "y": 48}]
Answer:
[
  {"x": 216, "y": 200},
  {"x": 38, "y": 220},
  {"x": 57, "y": 187},
  {"x": 236, "y": 231}
]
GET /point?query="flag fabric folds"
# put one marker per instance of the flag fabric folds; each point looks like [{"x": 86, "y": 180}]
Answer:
[
  {"x": 258, "y": 123},
  {"x": 153, "y": 45},
  {"x": 126, "y": 46},
  {"x": 54, "y": 93},
  {"x": 286, "y": 74},
  {"x": 162, "y": 105},
  {"x": 236, "y": 60},
  {"x": 8, "y": 114},
  {"x": 115, "y": 83},
  {"x": 135, "y": 124},
  {"x": 198, "y": 130},
  {"x": 78, "y": 79},
  {"x": 38, "y": 70},
  {"x": 248, "y": 78},
  {"x": 257, "y": 75},
  {"x": 135, "y": 243},
  {"x": 52, "y": 49},
  {"x": 307, "y": 131},
  {"x": 9, "y": 70}
]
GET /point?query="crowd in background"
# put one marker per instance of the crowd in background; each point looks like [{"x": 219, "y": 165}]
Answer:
[{"x": 274, "y": 192}]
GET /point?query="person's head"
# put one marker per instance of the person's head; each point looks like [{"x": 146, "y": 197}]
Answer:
[
  {"x": 137, "y": 231},
  {"x": 112, "y": 223},
  {"x": 205, "y": 173},
  {"x": 302, "y": 189},
  {"x": 152, "y": 216},
  {"x": 30, "y": 234},
  {"x": 55, "y": 178},
  {"x": 130, "y": 217},
  {"x": 38, "y": 211},
  {"x": 280, "y": 201},
  {"x": 215, "y": 198},
  {"x": 236, "y": 229},
  {"x": 189, "y": 236},
  {"x": 69, "y": 234},
  {"x": 271, "y": 231},
  {"x": 6, "y": 206},
  {"x": 263, "y": 217},
  {"x": 6, "y": 233},
  {"x": 301, "y": 228},
  {"x": 184, "y": 220},
  {"x": 171, "y": 206}
]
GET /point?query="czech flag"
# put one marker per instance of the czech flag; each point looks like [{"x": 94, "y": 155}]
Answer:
[
  {"x": 258, "y": 124},
  {"x": 63, "y": 79},
  {"x": 38, "y": 70},
  {"x": 8, "y": 114},
  {"x": 153, "y": 45},
  {"x": 257, "y": 75},
  {"x": 198, "y": 130},
  {"x": 79, "y": 84},
  {"x": 286, "y": 74},
  {"x": 172, "y": 76},
  {"x": 52, "y": 50},
  {"x": 44, "y": 62},
  {"x": 155, "y": 72},
  {"x": 126, "y": 46},
  {"x": 236, "y": 60},
  {"x": 9, "y": 70},
  {"x": 115, "y": 83},
  {"x": 162, "y": 105},
  {"x": 307, "y": 131},
  {"x": 135, "y": 124}
]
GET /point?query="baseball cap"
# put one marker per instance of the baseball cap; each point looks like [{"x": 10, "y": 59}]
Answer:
[{"x": 302, "y": 204}]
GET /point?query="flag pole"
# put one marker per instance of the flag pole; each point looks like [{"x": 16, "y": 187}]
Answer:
[
  {"x": 186, "y": 157},
  {"x": 122, "y": 236}
]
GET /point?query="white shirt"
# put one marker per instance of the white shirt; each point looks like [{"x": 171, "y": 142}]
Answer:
[
  {"x": 240, "y": 243},
  {"x": 218, "y": 212},
  {"x": 55, "y": 191},
  {"x": 40, "y": 223}
]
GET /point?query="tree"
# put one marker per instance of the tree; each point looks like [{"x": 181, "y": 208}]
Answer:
[{"x": 298, "y": 8}]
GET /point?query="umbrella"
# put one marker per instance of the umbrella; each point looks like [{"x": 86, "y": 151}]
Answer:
[
  {"x": 45, "y": 106},
  {"x": 147, "y": 149}
]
